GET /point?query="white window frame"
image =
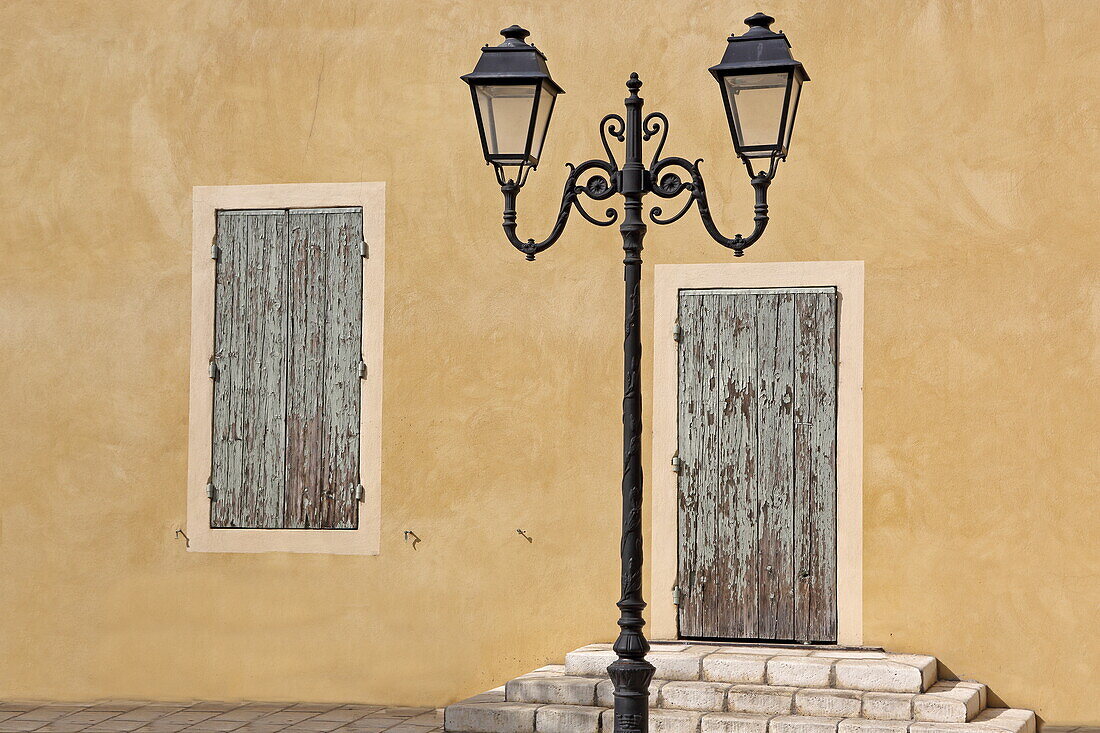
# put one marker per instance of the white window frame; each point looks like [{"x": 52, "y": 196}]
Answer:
[{"x": 206, "y": 201}]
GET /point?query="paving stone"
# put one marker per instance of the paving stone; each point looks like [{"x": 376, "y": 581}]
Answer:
[
  {"x": 983, "y": 691},
  {"x": 802, "y": 724},
  {"x": 828, "y": 703},
  {"x": 887, "y": 706},
  {"x": 568, "y": 719},
  {"x": 800, "y": 671},
  {"x": 862, "y": 725},
  {"x": 743, "y": 669},
  {"x": 880, "y": 675},
  {"x": 16, "y": 726},
  {"x": 597, "y": 647},
  {"x": 605, "y": 693},
  {"x": 491, "y": 717},
  {"x": 686, "y": 665},
  {"x": 766, "y": 651},
  {"x": 760, "y": 699},
  {"x": 553, "y": 690},
  {"x": 551, "y": 669},
  {"x": 705, "y": 696},
  {"x": 1010, "y": 719},
  {"x": 946, "y": 702},
  {"x": 919, "y": 727},
  {"x": 660, "y": 721},
  {"x": 845, "y": 654},
  {"x": 589, "y": 662},
  {"x": 495, "y": 695},
  {"x": 735, "y": 723}
]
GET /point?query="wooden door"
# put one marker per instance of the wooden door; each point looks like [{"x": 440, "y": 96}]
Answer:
[{"x": 757, "y": 464}]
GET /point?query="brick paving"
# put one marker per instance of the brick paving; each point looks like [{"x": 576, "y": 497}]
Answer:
[{"x": 206, "y": 717}]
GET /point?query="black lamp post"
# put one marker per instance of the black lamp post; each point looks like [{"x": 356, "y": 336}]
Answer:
[{"x": 513, "y": 98}]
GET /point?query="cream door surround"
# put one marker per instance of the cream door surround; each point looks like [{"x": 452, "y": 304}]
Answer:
[{"x": 669, "y": 280}]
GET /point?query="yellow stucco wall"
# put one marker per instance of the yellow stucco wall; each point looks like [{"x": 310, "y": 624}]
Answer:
[{"x": 951, "y": 145}]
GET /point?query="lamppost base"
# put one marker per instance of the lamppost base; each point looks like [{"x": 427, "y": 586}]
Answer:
[{"x": 631, "y": 678}]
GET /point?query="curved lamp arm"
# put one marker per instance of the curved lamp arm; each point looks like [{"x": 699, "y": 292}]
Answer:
[
  {"x": 670, "y": 185},
  {"x": 598, "y": 188}
]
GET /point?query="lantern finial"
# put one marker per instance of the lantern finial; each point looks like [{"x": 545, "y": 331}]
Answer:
[
  {"x": 516, "y": 35},
  {"x": 759, "y": 25}
]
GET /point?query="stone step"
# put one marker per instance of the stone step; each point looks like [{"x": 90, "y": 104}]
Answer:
[
  {"x": 871, "y": 671},
  {"x": 488, "y": 714},
  {"x": 944, "y": 702}
]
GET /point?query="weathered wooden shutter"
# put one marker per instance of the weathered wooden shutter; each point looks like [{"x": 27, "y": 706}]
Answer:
[
  {"x": 287, "y": 354},
  {"x": 757, "y": 483}
]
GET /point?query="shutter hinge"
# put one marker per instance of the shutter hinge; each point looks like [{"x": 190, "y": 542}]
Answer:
[
  {"x": 360, "y": 492},
  {"x": 676, "y": 332},
  {"x": 362, "y": 369},
  {"x": 215, "y": 250},
  {"x": 676, "y": 595},
  {"x": 210, "y": 491},
  {"x": 364, "y": 250},
  {"x": 675, "y": 462},
  {"x": 213, "y": 370}
]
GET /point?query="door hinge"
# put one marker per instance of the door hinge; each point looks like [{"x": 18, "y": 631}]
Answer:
[
  {"x": 210, "y": 491},
  {"x": 676, "y": 595},
  {"x": 362, "y": 369},
  {"x": 360, "y": 492},
  {"x": 364, "y": 249},
  {"x": 215, "y": 250},
  {"x": 675, "y": 464},
  {"x": 213, "y": 369},
  {"x": 676, "y": 333}
]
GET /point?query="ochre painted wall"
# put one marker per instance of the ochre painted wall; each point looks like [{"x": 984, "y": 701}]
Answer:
[{"x": 951, "y": 145}]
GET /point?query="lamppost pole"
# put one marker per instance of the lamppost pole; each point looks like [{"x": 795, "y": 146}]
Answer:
[{"x": 631, "y": 673}]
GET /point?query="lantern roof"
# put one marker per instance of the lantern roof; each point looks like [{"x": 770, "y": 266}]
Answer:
[
  {"x": 512, "y": 62},
  {"x": 758, "y": 50}
]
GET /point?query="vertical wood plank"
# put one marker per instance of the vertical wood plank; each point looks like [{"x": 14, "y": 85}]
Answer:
[
  {"x": 736, "y": 513},
  {"x": 775, "y": 465},
  {"x": 225, "y": 448},
  {"x": 343, "y": 352},
  {"x": 815, "y": 466},
  {"x": 697, "y": 481},
  {"x": 253, "y": 397},
  {"x": 323, "y": 381},
  {"x": 305, "y": 370}
]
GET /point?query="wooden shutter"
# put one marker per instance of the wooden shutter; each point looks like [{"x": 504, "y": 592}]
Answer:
[
  {"x": 757, "y": 483},
  {"x": 326, "y": 320},
  {"x": 287, "y": 349}
]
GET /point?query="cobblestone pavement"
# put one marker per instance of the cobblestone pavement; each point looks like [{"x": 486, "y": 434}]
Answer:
[{"x": 155, "y": 717}]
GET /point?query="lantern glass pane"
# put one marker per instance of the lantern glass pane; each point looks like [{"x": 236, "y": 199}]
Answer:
[
  {"x": 796, "y": 89},
  {"x": 542, "y": 120},
  {"x": 756, "y": 103},
  {"x": 505, "y": 111}
]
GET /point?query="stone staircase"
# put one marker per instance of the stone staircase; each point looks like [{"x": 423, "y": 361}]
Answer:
[{"x": 727, "y": 688}]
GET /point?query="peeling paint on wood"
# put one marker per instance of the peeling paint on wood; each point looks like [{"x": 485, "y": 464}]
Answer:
[
  {"x": 757, "y": 441},
  {"x": 288, "y": 339}
]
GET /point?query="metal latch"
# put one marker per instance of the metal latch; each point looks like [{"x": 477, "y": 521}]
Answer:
[
  {"x": 362, "y": 369},
  {"x": 676, "y": 595},
  {"x": 210, "y": 491},
  {"x": 675, "y": 464},
  {"x": 364, "y": 250},
  {"x": 676, "y": 333},
  {"x": 360, "y": 492},
  {"x": 213, "y": 369},
  {"x": 215, "y": 250}
]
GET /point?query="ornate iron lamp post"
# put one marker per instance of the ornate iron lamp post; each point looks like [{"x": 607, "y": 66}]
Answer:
[{"x": 513, "y": 96}]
